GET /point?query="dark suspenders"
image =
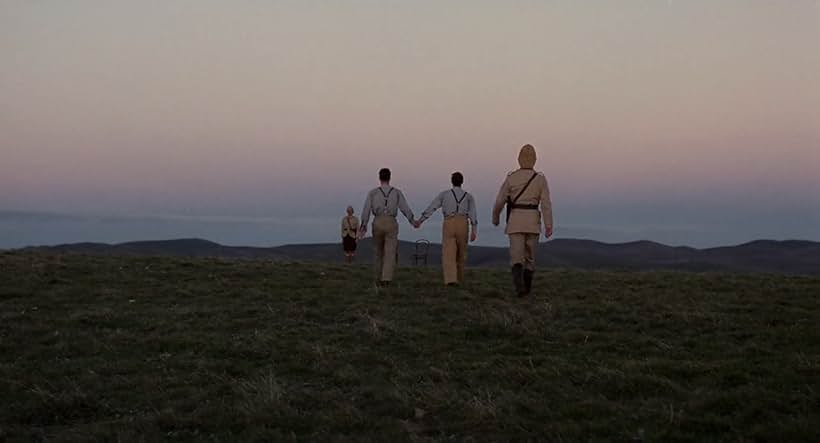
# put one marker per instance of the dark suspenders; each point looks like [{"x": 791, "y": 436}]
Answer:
[
  {"x": 458, "y": 201},
  {"x": 386, "y": 196}
]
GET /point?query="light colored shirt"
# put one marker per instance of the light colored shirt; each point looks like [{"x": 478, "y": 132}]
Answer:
[
  {"x": 385, "y": 200},
  {"x": 350, "y": 226},
  {"x": 453, "y": 202}
]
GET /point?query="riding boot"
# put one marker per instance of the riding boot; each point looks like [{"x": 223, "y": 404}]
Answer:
[
  {"x": 528, "y": 274},
  {"x": 518, "y": 279}
]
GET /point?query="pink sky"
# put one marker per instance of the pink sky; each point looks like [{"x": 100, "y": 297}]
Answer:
[{"x": 206, "y": 106}]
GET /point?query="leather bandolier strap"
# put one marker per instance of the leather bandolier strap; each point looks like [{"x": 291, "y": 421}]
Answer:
[{"x": 511, "y": 202}]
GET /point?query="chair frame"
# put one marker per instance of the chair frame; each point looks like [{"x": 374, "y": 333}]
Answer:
[{"x": 418, "y": 255}]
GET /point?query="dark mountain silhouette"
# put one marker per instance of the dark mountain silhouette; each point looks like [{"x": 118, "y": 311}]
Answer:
[{"x": 793, "y": 256}]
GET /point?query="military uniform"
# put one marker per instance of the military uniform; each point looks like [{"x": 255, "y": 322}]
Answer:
[
  {"x": 458, "y": 207},
  {"x": 384, "y": 203},
  {"x": 528, "y": 192}
]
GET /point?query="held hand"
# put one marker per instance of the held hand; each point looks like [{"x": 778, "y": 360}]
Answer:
[
  {"x": 473, "y": 236},
  {"x": 548, "y": 231},
  {"x": 417, "y": 224},
  {"x": 496, "y": 222}
]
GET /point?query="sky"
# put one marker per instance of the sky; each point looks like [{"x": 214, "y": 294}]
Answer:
[{"x": 257, "y": 122}]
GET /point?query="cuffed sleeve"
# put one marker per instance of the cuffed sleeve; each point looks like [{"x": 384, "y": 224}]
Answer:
[
  {"x": 434, "y": 205},
  {"x": 546, "y": 205},
  {"x": 500, "y": 200},
  {"x": 366, "y": 210},
  {"x": 405, "y": 208},
  {"x": 472, "y": 211}
]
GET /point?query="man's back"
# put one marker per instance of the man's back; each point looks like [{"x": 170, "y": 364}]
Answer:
[
  {"x": 453, "y": 201},
  {"x": 533, "y": 193},
  {"x": 532, "y": 190},
  {"x": 384, "y": 203},
  {"x": 385, "y": 200}
]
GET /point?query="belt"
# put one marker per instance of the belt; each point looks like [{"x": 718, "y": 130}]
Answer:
[
  {"x": 455, "y": 215},
  {"x": 532, "y": 207}
]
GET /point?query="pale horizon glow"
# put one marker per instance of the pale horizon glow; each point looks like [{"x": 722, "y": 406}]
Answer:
[{"x": 693, "y": 122}]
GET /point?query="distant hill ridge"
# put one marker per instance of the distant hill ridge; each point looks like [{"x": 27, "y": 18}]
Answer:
[{"x": 789, "y": 256}]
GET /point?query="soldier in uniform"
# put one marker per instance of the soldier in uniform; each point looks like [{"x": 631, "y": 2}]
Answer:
[
  {"x": 459, "y": 210},
  {"x": 384, "y": 203},
  {"x": 350, "y": 232},
  {"x": 523, "y": 192}
]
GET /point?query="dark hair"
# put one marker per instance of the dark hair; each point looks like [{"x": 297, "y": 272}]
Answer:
[
  {"x": 457, "y": 179},
  {"x": 384, "y": 174}
]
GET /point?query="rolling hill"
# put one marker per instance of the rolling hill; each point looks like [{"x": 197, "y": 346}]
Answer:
[{"x": 793, "y": 256}]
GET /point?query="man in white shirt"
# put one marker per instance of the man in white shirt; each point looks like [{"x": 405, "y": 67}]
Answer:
[
  {"x": 384, "y": 203},
  {"x": 459, "y": 210}
]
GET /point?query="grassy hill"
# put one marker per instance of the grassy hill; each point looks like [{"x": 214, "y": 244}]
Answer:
[{"x": 110, "y": 348}]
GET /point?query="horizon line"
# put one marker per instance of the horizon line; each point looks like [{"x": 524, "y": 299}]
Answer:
[{"x": 432, "y": 243}]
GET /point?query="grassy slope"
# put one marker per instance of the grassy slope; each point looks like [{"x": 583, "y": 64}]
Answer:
[{"x": 217, "y": 350}]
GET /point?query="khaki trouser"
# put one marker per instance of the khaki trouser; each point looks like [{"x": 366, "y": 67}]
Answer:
[
  {"x": 523, "y": 247},
  {"x": 454, "y": 248},
  {"x": 385, "y": 243}
]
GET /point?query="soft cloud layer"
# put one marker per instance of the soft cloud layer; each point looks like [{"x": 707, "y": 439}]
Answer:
[{"x": 645, "y": 113}]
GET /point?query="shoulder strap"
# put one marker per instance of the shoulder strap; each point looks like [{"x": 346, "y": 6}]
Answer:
[
  {"x": 458, "y": 200},
  {"x": 535, "y": 174},
  {"x": 386, "y": 196}
]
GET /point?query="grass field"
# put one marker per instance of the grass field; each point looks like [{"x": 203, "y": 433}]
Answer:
[{"x": 139, "y": 349}]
